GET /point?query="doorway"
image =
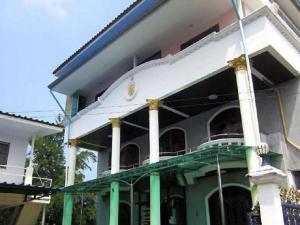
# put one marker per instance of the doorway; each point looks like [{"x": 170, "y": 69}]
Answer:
[{"x": 237, "y": 202}]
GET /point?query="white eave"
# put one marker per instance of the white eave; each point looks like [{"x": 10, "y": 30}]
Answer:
[{"x": 15, "y": 125}]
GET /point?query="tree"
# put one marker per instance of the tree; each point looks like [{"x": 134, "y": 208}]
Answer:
[{"x": 49, "y": 161}]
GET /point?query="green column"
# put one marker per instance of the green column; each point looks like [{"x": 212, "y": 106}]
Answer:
[
  {"x": 250, "y": 154},
  {"x": 114, "y": 203},
  {"x": 154, "y": 198},
  {"x": 68, "y": 209}
]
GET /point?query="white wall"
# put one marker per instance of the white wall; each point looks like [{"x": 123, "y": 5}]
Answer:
[
  {"x": 161, "y": 78},
  {"x": 16, "y": 158}
]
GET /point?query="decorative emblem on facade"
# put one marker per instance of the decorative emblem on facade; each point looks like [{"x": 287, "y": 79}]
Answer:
[{"x": 131, "y": 89}]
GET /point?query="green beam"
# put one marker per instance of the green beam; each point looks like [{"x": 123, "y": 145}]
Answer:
[
  {"x": 114, "y": 203},
  {"x": 68, "y": 209},
  {"x": 154, "y": 198},
  {"x": 196, "y": 159}
]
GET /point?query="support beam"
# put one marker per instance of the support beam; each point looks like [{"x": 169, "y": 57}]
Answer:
[
  {"x": 115, "y": 168},
  {"x": 262, "y": 77},
  {"x": 175, "y": 111},
  {"x": 135, "y": 125},
  {"x": 154, "y": 105}
]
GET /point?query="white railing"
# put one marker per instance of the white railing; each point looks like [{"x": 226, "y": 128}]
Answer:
[
  {"x": 8, "y": 171},
  {"x": 222, "y": 139}
]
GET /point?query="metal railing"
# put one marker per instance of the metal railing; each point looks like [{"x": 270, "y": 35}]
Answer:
[
  {"x": 222, "y": 139},
  {"x": 20, "y": 172}
]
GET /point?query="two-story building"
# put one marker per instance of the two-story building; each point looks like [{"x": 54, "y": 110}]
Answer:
[
  {"x": 180, "y": 98},
  {"x": 22, "y": 196}
]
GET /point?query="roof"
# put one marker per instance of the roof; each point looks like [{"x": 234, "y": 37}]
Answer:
[
  {"x": 122, "y": 23},
  {"x": 26, "y": 189},
  {"x": 186, "y": 163},
  {"x": 98, "y": 34},
  {"x": 29, "y": 119}
]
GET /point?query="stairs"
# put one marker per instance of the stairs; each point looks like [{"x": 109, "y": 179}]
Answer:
[
  {"x": 145, "y": 215},
  {"x": 29, "y": 213}
]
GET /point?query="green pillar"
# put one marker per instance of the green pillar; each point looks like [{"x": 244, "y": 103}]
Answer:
[
  {"x": 250, "y": 154},
  {"x": 68, "y": 209},
  {"x": 154, "y": 198},
  {"x": 114, "y": 203}
]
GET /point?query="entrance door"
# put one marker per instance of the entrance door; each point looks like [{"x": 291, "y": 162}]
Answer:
[
  {"x": 124, "y": 214},
  {"x": 237, "y": 202},
  {"x": 173, "y": 212}
]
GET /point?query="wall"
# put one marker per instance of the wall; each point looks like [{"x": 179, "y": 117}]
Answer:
[
  {"x": 269, "y": 123},
  {"x": 16, "y": 158},
  {"x": 196, "y": 195}
]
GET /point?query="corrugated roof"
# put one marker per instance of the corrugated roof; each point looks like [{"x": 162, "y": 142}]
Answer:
[
  {"x": 129, "y": 8},
  {"x": 29, "y": 119},
  {"x": 26, "y": 189}
]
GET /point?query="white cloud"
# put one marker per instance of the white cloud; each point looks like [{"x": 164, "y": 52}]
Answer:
[{"x": 55, "y": 8}]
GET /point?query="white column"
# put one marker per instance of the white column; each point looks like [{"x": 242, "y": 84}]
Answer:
[
  {"x": 154, "y": 157},
  {"x": 72, "y": 161},
  {"x": 115, "y": 147},
  {"x": 247, "y": 109},
  {"x": 29, "y": 169},
  {"x": 153, "y": 130},
  {"x": 268, "y": 179}
]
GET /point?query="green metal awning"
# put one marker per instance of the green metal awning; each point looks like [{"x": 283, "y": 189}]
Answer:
[{"x": 190, "y": 161}]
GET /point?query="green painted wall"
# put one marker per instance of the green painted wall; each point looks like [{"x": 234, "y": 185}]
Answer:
[{"x": 197, "y": 193}]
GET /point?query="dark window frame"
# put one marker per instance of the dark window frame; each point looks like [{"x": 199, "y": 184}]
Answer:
[
  {"x": 7, "y": 144},
  {"x": 200, "y": 36},
  {"x": 156, "y": 55}
]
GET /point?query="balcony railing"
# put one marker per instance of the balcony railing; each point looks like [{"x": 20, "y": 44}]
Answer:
[
  {"x": 22, "y": 174},
  {"x": 222, "y": 139}
]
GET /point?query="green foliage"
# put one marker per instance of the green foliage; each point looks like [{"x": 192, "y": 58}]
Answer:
[{"x": 49, "y": 161}]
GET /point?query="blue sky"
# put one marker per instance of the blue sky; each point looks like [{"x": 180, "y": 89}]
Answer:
[{"x": 35, "y": 37}]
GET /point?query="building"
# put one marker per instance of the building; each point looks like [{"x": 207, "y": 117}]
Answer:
[
  {"x": 165, "y": 94},
  {"x": 22, "y": 196}
]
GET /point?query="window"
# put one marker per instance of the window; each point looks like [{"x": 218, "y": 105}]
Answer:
[
  {"x": 4, "y": 149},
  {"x": 227, "y": 122},
  {"x": 99, "y": 94},
  {"x": 173, "y": 141},
  {"x": 156, "y": 55},
  {"x": 210, "y": 30},
  {"x": 81, "y": 102},
  {"x": 297, "y": 179},
  {"x": 129, "y": 156}
]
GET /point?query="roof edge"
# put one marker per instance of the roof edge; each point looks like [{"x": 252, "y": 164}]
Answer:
[{"x": 126, "y": 20}]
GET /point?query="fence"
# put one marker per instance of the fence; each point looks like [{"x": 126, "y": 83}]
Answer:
[{"x": 291, "y": 215}]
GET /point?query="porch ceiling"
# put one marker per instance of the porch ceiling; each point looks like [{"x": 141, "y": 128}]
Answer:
[
  {"x": 186, "y": 163},
  {"x": 193, "y": 100}
]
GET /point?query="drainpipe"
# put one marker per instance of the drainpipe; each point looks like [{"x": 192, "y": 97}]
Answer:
[
  {"x": 237, "y": 7},
  {"x": 68, "y": 198}
]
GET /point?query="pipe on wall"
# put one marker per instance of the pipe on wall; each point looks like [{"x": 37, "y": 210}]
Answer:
[{"x": 283, "y": 122}]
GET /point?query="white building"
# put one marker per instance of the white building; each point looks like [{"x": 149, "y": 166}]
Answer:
[
  {"x": 165, "y": 91},
  {"x": 21, "y": 193}
]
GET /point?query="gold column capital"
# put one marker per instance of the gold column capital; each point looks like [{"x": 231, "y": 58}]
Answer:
[
  {"x": 238, "y": 63},
  {"x": 153, "y": 104},
  {"x": 73, "y": 142},
  {"x": 115, "y": 122}
]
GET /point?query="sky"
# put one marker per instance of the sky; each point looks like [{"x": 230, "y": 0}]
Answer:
[{"x": 35, "y": 37}]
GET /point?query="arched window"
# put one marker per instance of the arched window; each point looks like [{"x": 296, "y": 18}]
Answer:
[
  {"x": 129, "y": 157},
  {"x": 172, "y": 142},
  {"x": 227, "y": 122},
  {"x": 237, "y": 202}
]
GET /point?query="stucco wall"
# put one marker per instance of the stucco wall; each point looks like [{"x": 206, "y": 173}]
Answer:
[
  {"x": 269, "y": 123},
  {"x": 197, "y": 195},
  {"x": 16, "y": 158}
]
